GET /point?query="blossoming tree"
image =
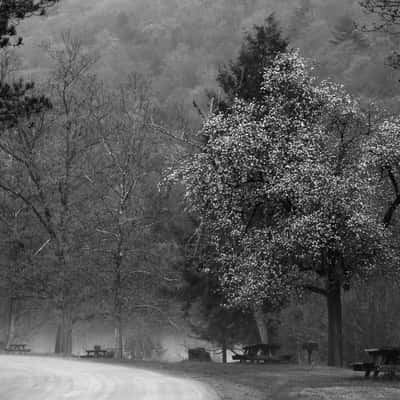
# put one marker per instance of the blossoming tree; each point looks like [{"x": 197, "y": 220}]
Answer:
[{"x": 280, "y": 191}]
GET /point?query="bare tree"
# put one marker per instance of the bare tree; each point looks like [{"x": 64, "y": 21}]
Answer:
[
  {"x": 48, "y": 153},
  {"x": 129, "y": 250}
]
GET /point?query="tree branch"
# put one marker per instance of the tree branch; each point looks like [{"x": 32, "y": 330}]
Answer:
[
  {"x": 315, "y": 289},
  {"x": 31, "y": 205},
  {"x": 396, "y": 202}
]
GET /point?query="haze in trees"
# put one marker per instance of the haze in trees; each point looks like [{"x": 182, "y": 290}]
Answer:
[
  {"x": 180, "y": 46},
  {"x": 204, "y": 303},
  {"x": 134, "y": 261},
  {"x": 20, "y": 278},
  {"x": 46, "y": 154},
  {"x": 84, "y": 175}
]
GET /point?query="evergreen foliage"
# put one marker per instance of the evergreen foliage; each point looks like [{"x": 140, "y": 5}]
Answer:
[
  {"x": 13, "y": 11},
  {"x": 209, "y": 318},
  {"x": 242, "y": 77},
  {"x": 16, "y": 99}
]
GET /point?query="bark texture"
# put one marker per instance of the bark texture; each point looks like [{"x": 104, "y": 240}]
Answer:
[
  {"x": 335, "y": 336},
  {"x": 64, "y": 335},
  {"x": 262, "y": 327},
  {"x": 12, "y": 316}
]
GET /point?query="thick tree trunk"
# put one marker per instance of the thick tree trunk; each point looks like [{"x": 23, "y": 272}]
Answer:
[
  {"x": 259, "y": 317},
  {"x": 64, "y": 335},
  {"x": 64, "y": 330},
  {"x": 335, "y": 337},
  {"x": 12, "y": 316}
]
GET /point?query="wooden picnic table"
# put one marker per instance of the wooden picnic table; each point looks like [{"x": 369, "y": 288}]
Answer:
[
  {"x": 96, "y": 353},
  {"x": 385, "y": 360},
  {"x": 18, "y": 348},
  {"x": 257, "y": 353}
]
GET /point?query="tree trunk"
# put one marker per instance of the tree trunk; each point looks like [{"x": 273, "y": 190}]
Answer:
[
  {"x": 309, "y": 356},
  {"x": 119, "y": 339},
  {"x": 119, "y": 351},
  {"x": 57, "y": 348},
  {"x": 64, "y": 329},
  {"x": 335, "y": 337},
  {"x": 64, "y": 335},
  {"x": 12, "y": 316},
  {"x": 224, "y": 352},
  {"x": 68, "y": 337},
  {"x": 259, "y": 317}
]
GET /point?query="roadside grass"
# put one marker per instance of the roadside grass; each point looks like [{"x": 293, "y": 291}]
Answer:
[{"x": 278, "y": 381}]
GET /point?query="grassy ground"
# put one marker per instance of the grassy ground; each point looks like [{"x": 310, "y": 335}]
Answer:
[{"x": 281, "y": 382}]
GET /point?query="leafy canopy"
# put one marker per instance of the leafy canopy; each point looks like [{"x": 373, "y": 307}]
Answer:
[{"x": 279, "y": 189}]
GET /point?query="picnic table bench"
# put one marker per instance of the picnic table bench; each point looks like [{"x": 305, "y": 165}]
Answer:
[
  {"x": 17, "y": 348},
  {"x": 98, "y": 352},
  {"x": 385, "y": 360},
  {"x": 258, "y": 353}
]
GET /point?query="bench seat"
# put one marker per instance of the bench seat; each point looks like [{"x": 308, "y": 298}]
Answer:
[
  {"x": 363, "y": 366},
  {"x": 12, "y": 350},
  {"x": 263, "y": 359}
]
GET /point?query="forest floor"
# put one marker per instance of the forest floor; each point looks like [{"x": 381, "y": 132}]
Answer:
[{"x": 280, "y": 382}]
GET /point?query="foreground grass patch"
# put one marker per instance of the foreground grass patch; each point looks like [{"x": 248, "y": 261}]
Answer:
[
  {"x": 348, "y": 393},
  {"x": 279, "y": 382}
]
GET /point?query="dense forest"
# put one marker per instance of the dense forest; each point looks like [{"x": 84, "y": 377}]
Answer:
[
  {"x": 181, "y": 44},
  {"x": 111, "y": 208}
]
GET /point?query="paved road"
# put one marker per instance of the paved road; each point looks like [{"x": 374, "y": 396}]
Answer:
[{"x": 41, "y": 378}]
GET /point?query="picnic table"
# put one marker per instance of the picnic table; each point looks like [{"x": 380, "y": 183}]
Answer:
[
  {"x": 17, "y": 348},
  {"x": 98, "y": 352},
  {"x": 385, "y": 360},
  {"x": 258, "y": 353}
]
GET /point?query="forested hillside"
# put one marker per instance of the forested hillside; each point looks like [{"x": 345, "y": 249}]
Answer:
[{"x": 179, "y": 45}]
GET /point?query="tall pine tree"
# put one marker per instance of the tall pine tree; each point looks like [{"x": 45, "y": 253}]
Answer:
[
  {"x": 242, "y": 77},
  {"x": 16, "y": 100}
]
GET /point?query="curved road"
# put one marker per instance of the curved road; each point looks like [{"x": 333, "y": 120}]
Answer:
[{"x": 42, "y": 378}]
